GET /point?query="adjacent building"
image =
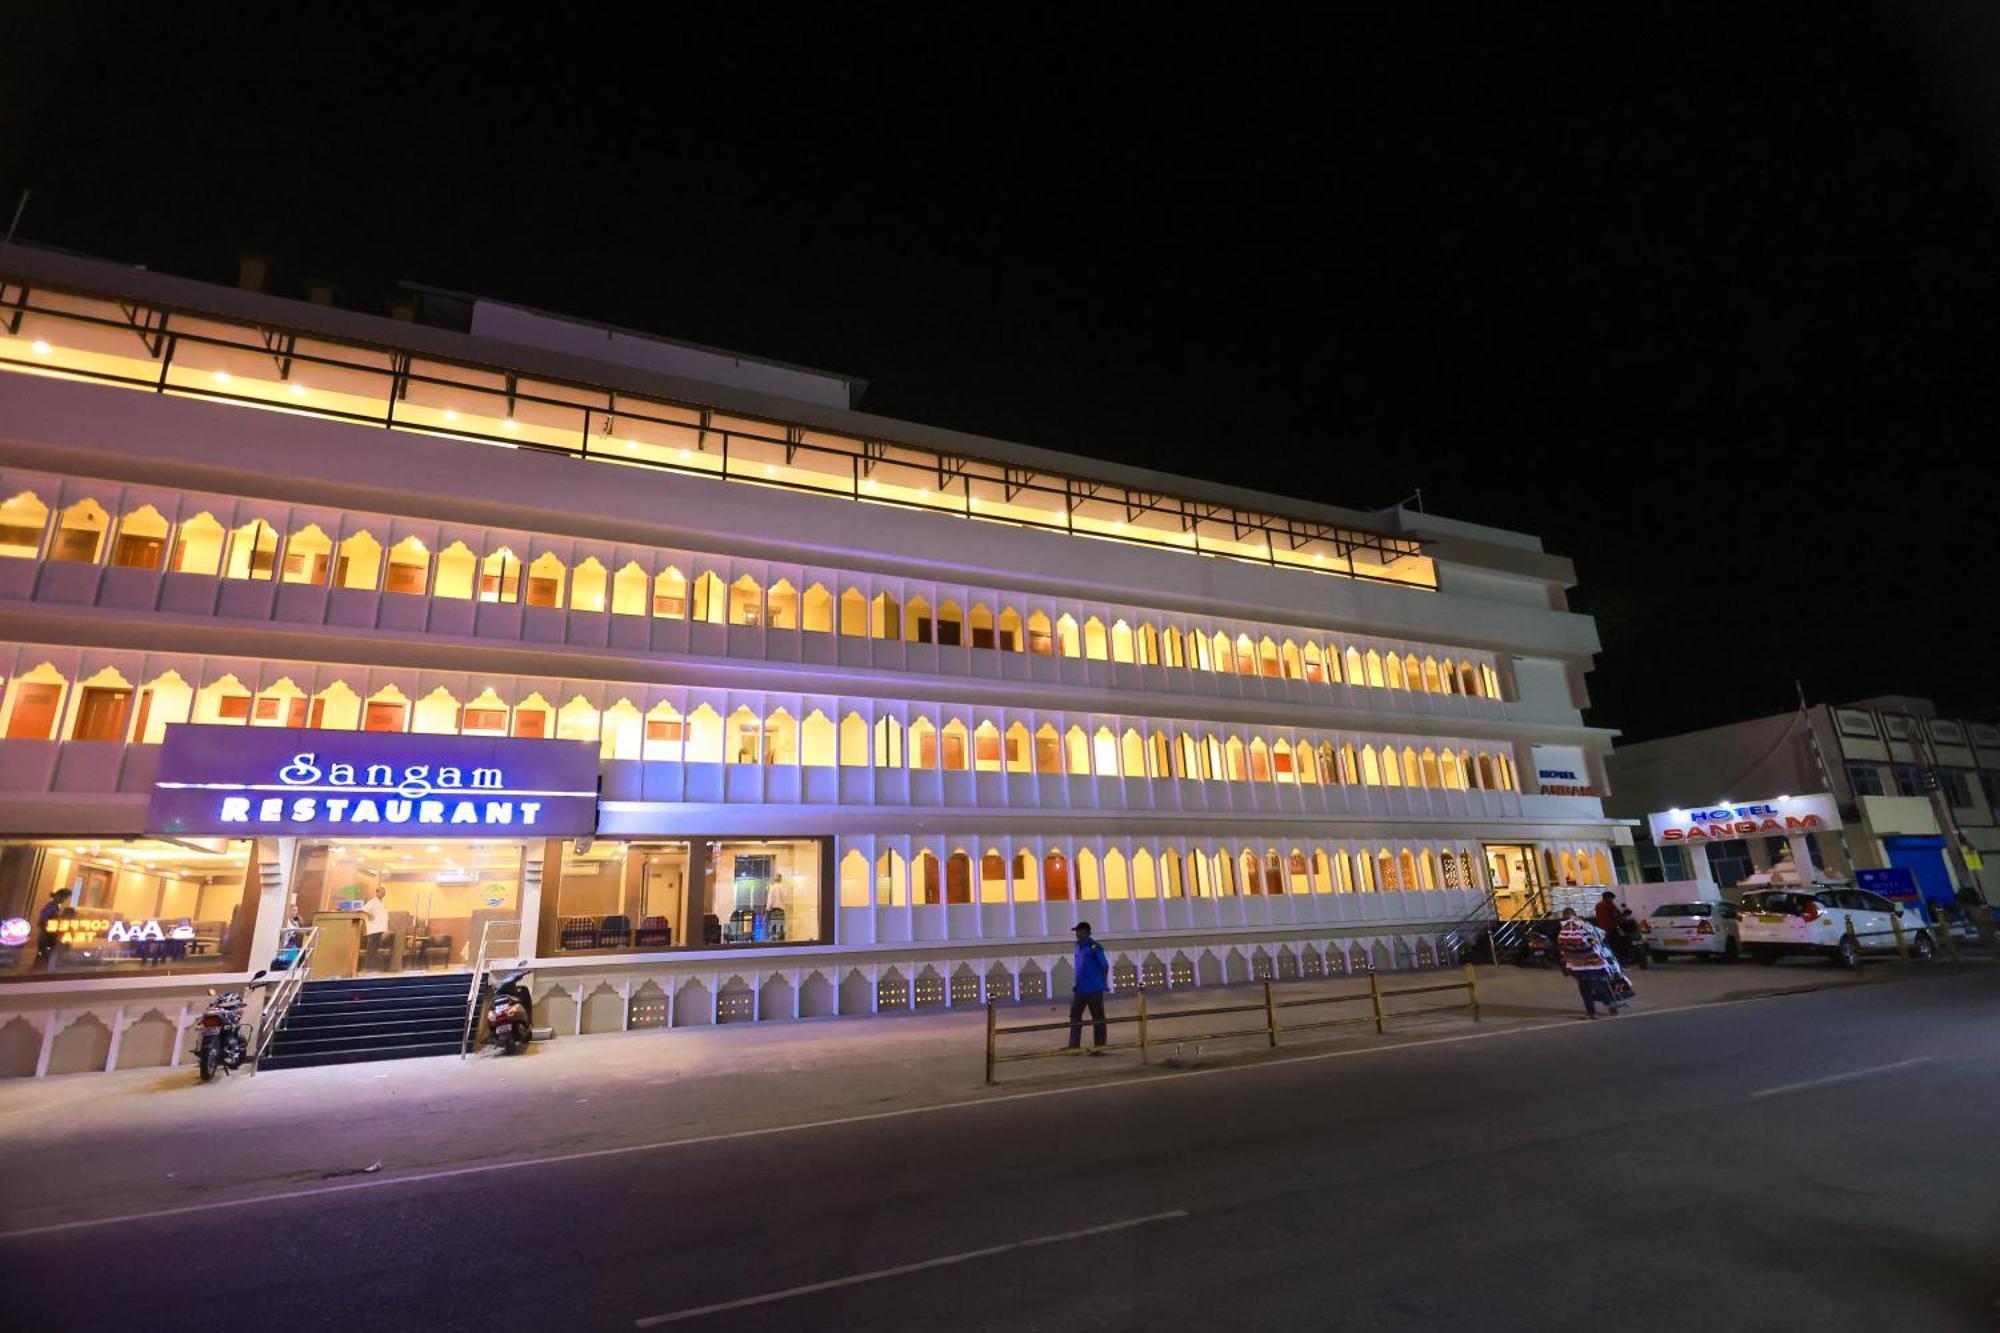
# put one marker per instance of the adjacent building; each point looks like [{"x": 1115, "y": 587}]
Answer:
[
  {"x": 1904, "y": 789},
  {"x": 715, "y": 697}
]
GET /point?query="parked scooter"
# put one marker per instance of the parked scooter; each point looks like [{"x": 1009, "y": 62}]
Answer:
[
  {"x": 510, "y": 1014},
  {"x": 223, "y": 1044}
]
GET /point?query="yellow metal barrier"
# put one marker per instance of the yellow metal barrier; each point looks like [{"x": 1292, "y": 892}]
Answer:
[{"x": 1268, "y": 1029}]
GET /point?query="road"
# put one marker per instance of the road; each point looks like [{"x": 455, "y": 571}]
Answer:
[{"x": 1823, "y": 1160}]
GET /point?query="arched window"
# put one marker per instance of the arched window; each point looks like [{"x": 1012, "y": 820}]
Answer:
[
  {"x": 1430, "y": 676},
  {"x": 892, "y": 881},
  {"x": 854, "y": 614},
  {"x": 986, "y": 747},
  {"x": 1468, "y": 679},
  {"x": 545, "y": 582},
  {"x": 1408, "y": 865},
  {"x": 1225, "y": 659},
  {"x": 1066, "y": 637},
  {"x": 888, "y": 743},
  {"x": 1485, "y": 780},
  {"x": 34, "y": 704},
  {"x": 923, "y": 744},
  {"x": 1187, "y": 757},
  {"x": 1121, "y": 641},
  {"x": 1371, "y": 771},
  {"x": 992, "y": 878},
  {"x": 1314, "y": 663},
  {"x": 953, "y": 754},
  {"x": 746, "y": 601},
  {"x": 308, "y": 555},
  {"x": 1026, "y": 888},
  {"x": 500, "y": 577},
  {"x": 102, "y": 707},
  {"x": 1392, "y": 767},
  {"x": 666, "y": 733},
  {"x": 1392, "y": 671},
  {"x": 1239, "y": 767},
  {"x": 958, "y": 877},
  {"x": 1298, "y": 872},
  {"x": 457, "y": 571},
  {"x": 925, "y": 880},
  {"x": 1089, "y": 885},
  {"x": 1246, "y": 657},
  {"x": 357, "y": 562},
  {"x": 1055, "y": 877},
  {"x": 707, "y": 604},
  {"x": 1322, "y": 872},
  {"x": 980, "y": 622},
  {"x": 950, "y": 626},
  {"x": 1094, "y": 646},
  {"x": 670, "y": 594},
  {"x": 854, "y": 880},
  {"x": 743, "y": 743},
  {"x": 1010, "y": 630},
  {"x": 1260, "y": 760},
  {"x": 917, "y": 621},
  {"x": 1018, "y": 749},
  {"x": 1253, "y": 877},
  {"x": 1427, "y": 871},
  {"x": 80, "y": 534},
  {"x": 1282, "y": 768},
  {"x": 817, "y": 615},
  {"x": 1117, "y": 883},
  {"x": 624, "y": 732},
  {"x": 853, "y": 741},
  {"x": 883, "y": 617},
  {"x": 531, "y": 717},
  {"x": 1267, "y": 657},
  {"x": 704, "y": 736},
  {"x": 1076, "y": 751},
  {"x": 1132, "y": 753},
  {"x": 1491, "y": 680},
  {"x": 577, "y": 720},
  {"x": 408, "y": 570},
  {"x": 816, "y": 741},
  {"x": 1413, "y": 672},
  {"x": 1041, "y": 638},
  {"x": 141, "y": 544},
  {"x": 1504, "y": 770},
  {"x": 1171, "y": 648},
  {"x": 22, "y": 518},
  {"x": 436, "y": 713},
  {"x": 1048, "y": 750},
  {"x": 1161, "y": 754},
  {"x": 485, "y": 714},
  {"x": 781, "y": 607},
  {"x": 253, "y": 551},
  {"x": 1144, "y": 884},
  {"x": 1413, "y": 776},
  {"x": 1104, "y": 753},
  {"x": 163, "y": 701},
  {"x": 1374, "y": 669},
  {"x": 1214, "y": 767},
  {"x": 628, "y": 590},
  {"x": 1294, "y": 668},
  {"x": 1170, "y": 874},
  {"x": 1449, "y": 773},
  {"x": 1432, "y": 776},
  {"x": 388, "y": 709}
]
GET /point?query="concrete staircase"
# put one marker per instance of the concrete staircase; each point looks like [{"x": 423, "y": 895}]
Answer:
[{"x": 361, "y": 1019}]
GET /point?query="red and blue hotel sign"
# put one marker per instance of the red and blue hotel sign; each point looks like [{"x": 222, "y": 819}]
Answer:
[{"x": 250, "y": 781}]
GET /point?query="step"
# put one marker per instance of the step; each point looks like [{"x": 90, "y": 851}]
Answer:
[
  {"x": 341, "y": 1004},
  {"x": 287, "y": 1044},
  {"x": 361, "y": 1016},
  {"x": 308, "y": 1059},
  {"x": 383, "y": 986}
]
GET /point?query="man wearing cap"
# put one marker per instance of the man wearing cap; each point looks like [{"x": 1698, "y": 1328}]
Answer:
[{"x": 1093, "y": 974}]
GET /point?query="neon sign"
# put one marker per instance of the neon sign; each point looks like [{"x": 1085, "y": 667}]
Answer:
[
  {"x": 14, "y": 932},
  {"x": 216, "y": 779}
]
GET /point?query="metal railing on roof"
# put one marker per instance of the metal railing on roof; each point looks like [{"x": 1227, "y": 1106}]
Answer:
[{"x": 189, "y": 353}]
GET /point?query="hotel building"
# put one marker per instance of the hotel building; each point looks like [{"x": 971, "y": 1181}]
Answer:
[{"x": 873, "y": 711}]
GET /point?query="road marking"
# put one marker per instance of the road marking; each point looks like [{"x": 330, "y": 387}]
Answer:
[
  {"x": 768, "y": 1131},
  {"x": 1831, "y": 1079},
  {"x": 943, "y": 1261}
]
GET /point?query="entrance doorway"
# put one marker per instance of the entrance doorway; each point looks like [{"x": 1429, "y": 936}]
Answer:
[
  {"x": 1517, "y": 878},
  {"x": 434, "y": 898}
]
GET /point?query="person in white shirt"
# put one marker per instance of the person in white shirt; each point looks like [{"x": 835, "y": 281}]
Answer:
[{"x": 376, "y": 933}]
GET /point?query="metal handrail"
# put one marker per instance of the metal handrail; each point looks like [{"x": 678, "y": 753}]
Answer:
[
  {"x": 479, "y": 975},
  {"x": 1496, "y": 923},
  {"x": 272, "y": 1016}
]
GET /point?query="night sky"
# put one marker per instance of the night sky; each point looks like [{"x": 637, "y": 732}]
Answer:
[{"x": 1709, "y": 299}]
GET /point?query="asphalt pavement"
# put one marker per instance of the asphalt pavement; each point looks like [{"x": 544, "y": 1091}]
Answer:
[{"x": 1822, "y": 1160}]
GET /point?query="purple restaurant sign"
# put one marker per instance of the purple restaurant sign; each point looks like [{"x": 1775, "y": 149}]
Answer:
[{"x": 250, "y": 780}]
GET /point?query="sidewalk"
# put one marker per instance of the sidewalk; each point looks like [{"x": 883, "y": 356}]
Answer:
[{"x": 101, "y": 1144}]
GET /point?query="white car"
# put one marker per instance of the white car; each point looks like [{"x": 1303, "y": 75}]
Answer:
[
  {"x": 1777, "y": 922},
  {"x": 1707, "y": 929}
]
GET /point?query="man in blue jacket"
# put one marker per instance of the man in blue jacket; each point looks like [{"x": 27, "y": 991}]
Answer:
[{"x": 1093, "y": 976}]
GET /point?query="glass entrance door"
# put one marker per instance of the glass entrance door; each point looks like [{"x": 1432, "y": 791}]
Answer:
[
  {"x": 424, "y": 904},
  {"x": 1517, "y": 878}
]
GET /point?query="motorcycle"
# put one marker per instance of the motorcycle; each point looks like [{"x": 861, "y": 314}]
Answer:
[
  {"x": 223, "y": 1044},
  {"x": 510, "y": 1015}
]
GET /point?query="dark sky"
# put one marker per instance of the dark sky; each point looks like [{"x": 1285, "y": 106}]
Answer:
[{"x": 1709, "y": 298}]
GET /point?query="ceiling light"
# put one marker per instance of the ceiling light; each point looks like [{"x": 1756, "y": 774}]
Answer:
[
  {"x": 432, "y": 848},
  {"x": 631, "y": 446},
  {"x": 685, "y": 453},
  {"x": 508, "y": 424},
  {"x": 41, "y": 347},
  {"x": 222, "y": 377},
  {"x": 868, "y": 485},
  {"x": 450, "y": 415},
  {"x": 298, "y": 391},
  {"x": 770, "y": 471}
]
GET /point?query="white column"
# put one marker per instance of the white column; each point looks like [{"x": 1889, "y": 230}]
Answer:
[
  {"x": 1801, "y": 853},
  {"x": 275, "y": 858},
  {"x": 1697, "y": 853}
]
